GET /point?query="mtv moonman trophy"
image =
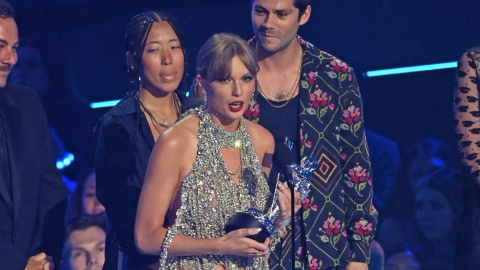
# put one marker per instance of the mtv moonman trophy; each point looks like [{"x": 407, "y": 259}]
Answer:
[{"x": 253, "y": 218}]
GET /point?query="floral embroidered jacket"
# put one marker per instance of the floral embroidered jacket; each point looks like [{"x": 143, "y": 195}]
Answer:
[{"x": 337, "y": 221}]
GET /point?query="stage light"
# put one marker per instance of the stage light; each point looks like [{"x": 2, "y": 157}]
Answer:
[
  {"x": 103, "y": 104},
  {"x": 64, "y": 162},
  {"x": 392, "y": 71},
  {"x": 372, "y": 73}
]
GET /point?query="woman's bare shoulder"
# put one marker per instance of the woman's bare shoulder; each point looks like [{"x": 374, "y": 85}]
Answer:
[
  {"x": 182, "y": 134},
  {"x": 257, "y": 131}
]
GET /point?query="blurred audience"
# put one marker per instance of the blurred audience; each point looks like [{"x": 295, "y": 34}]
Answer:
[
  {"x": 377, "y": 256},
  {"x": 401, "y": 258},
  {"x": 419, "y": 160},
  {"x": 84, "y": 247},
  {"x": 67, "y": 113},
  {"x": 84, "y": 199},
  {"x": 385, "y": 160},
  {"x": 437, "y": 212}
]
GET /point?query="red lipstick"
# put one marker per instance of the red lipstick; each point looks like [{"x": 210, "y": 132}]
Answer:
[{"x": 236, "y": 106}]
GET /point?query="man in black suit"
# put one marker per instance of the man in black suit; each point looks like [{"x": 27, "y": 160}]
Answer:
[{"x": 32, "y": 194}]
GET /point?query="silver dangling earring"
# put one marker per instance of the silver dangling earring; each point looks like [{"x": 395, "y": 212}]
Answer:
[{"x": 204, "y": 96}]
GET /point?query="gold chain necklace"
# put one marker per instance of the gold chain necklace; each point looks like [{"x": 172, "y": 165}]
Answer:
[{"x": 289, "y": 95}]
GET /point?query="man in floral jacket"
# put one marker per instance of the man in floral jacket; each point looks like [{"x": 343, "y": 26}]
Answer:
[{"x": 310, "y": 102}]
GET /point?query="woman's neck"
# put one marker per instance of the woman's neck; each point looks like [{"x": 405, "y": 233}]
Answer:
[
  {"x": 230, "y": 126},
  {"x": 161, "y": 105}
]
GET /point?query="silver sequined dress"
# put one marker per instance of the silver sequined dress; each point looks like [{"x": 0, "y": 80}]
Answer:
[{"x": 210, "y": 196}]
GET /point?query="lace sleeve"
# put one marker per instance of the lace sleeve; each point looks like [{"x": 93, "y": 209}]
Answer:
[{"x": 467, "y": 111}]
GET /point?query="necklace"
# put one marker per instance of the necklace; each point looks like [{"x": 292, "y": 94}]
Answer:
[
  {"x": 176, "y": 106},
  {"x": 289, "y": 95},
  {"x": 236, "y": 171}
]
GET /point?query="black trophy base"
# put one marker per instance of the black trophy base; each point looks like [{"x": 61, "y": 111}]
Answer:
[{"x": 245, "y": 221}]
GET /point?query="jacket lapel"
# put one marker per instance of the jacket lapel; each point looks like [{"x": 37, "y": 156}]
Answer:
[{"x": 12, "y": 121}]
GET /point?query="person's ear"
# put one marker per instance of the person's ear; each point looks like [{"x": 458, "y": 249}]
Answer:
[
  {"x": 130, "y": 61},
  {"x": 199, "y": 89},
  {"x": 305, "y": 16}
]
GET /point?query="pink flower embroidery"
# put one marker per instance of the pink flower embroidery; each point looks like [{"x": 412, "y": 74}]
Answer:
[
  {"x": 307, "y": 143},
  {"x": 351, "y": 114},
  {"x": 312, "y": 263},
  {"x": 357, "y": 174},
  {"x": 311, "y": 77},
  {"x": 305, "y": 203},
  {"x": 362, "y": 227},
  {"x": 338, "y": 65},
  {"x": 331, "y": 225},
  {"x": 318, "y": 98},
  {"x": 331, "y": 106}
]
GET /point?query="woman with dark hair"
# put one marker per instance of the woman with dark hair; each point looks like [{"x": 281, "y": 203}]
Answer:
[
  {"x": 207, "y": 167},
  {"x": 437, "y": 214},
  {"x": 155, "y": 51},
  {"x": 421, "y": 159},
  {"x": 84, "y": 199}
]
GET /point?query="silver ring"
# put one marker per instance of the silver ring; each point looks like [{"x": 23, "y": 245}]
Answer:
[{"x": 284, "y": 213}]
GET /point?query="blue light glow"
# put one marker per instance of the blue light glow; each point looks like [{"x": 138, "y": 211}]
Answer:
[
  {"x": 103, "y": 104},
  {"x": 64, "y": 162},
  {"x": 372, "y": 73},
  {"x": 391, "y": 71}
]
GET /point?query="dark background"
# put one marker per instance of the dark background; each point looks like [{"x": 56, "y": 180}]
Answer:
[{"x": 370, "y": 35}]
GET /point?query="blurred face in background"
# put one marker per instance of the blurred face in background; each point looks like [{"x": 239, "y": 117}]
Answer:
[
  {"x": 87, "y": 249},
  {"x": 421, "y": 167},
  {"x": 402, "y": 261},
  {"x": 433, "y": 213},
  {"x": 30, "y": 70},
  {"x": 8, "y": 48},
  {"x": 90, "y": 202}
]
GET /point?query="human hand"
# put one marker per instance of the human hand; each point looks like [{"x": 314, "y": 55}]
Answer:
[
  {"x": 357, "y": 266},
  {"x": 238, "y": 244},
  {"x": 285, "y": 203},
  {"x": 40, "y": 261}
]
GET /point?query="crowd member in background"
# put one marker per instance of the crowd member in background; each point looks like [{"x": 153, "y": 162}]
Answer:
[
  {"x": 42, "y": 67},
  {"x": 32, "y": 194},
  {"x": 401, "y": 258},
  {"x": 437, "y": 213},
  {"x": 84, "y": 198},
  {"x": 418, "y": 160},
  {"x": 84, "y": 247},
  {"x": 310, "y": 99},
  {"x": 156, "y": 58}
]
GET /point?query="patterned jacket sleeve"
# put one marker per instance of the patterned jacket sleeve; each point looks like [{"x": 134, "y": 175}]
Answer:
[
  {"x": 360, "y": 216},
  {"x": 466, "y": 110}
]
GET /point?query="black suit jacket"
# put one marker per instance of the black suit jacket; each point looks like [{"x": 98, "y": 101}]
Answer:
[{"x": 34, "y": 210}]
